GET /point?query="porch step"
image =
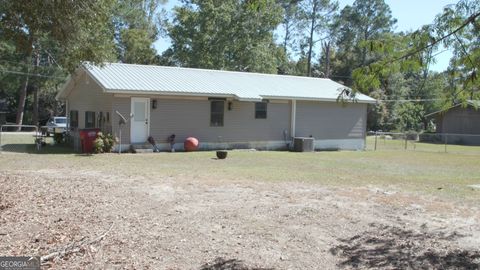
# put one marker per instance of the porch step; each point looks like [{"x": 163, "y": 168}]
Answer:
[
  {"x": 141, "y": 151},
  {"x": 143, "y": 148}
]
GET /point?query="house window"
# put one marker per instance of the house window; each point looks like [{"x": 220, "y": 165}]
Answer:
[
  {"x": 74, "y": 119},
  {"x": 260, "y": 110},
  {"x": 89, "y": 119},
  {"x": 217, "y": 108},
  {"x": 100, "y": 120}
]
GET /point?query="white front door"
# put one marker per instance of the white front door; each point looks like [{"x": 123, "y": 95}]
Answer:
[{"x": 140, "y": 123}]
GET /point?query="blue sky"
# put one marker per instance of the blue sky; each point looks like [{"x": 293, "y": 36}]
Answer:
[{"x": 411, "y": 14}]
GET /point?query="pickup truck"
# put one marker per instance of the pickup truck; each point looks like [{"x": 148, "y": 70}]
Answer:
[{"x": 57, "y": 124}]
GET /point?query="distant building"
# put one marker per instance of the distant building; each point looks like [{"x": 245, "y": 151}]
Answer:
[{"x": 460, "y": 121}]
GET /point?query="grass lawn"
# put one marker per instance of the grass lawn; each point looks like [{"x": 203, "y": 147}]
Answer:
[
  {"x": 439, "y": 174},
  {"x": 399, "y": 144},
  {"x": 391, "y": 209}
]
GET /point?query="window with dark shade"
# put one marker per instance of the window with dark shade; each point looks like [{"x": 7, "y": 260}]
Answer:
[
  {"x": 89, "y": 119},
  {"x": 74, "y": 119},
  {"x": 101, "y": 119},
  {"x": 261, "y": 110},
  {"x": 217, "y": 108}
]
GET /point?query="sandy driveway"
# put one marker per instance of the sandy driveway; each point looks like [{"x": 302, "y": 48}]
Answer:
[{"x": 205, "y": 224}]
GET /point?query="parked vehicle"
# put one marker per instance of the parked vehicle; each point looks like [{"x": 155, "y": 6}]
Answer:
[{"x": 57, "y": 124}]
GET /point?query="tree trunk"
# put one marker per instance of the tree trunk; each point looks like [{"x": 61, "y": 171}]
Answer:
[
  {"x": 310, "y": 47},
  {"x": 35, "y": 93},
  {"x": 364, "y": 50},
  {"x": 287, "y": 37},
  {"x": 21, "y": 102},
  {"x": 35, "y": 106},
  {"x": 326, "y": 48},
  {"x": 23, "y": 91}
]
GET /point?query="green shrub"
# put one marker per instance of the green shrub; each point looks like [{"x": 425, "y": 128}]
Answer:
[
  {"x": 58, "y": 138},
  {"x": 98, "y": 145},
  {"x": 103, "y": 143}
]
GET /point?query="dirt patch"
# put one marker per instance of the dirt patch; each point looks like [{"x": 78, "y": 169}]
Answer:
[
  {"x": 193, "y": 223},
  {"x": 223, "y": 264},
  {"x": 392, "y": 247}
]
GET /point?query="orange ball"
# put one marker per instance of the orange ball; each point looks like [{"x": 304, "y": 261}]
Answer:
[{"x": 190, "y": 144}]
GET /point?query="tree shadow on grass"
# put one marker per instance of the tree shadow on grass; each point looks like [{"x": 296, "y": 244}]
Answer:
[
  {"x": 231, "y": 264},
  {"x": 32, "y": 149},
  {"x": 392, "y": 247}
]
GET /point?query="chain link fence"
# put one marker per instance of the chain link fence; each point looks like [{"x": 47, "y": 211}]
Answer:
[
  {"x": 426, "y": 142},
  {"x": 22, "y": 139}
]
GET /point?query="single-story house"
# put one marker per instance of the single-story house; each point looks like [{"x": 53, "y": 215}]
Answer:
[
  {"x": 462, "y": 124},
  {"x": 222, "y": 109}
]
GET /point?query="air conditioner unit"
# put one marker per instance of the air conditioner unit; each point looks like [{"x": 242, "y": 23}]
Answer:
[{"x": 303, "y": 144}]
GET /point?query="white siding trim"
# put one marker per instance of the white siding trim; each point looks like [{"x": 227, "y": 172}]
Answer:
[{"x": 347, "y": 144}]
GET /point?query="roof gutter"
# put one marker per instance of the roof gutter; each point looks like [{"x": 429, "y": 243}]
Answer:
[
  {"x": 175, "y": 93},
  {"x": 249, "y": 99},
  {"x": 246, "y": 99},
  {"x": 373, "y": 101},
  {"x": 168, "y": 93}
]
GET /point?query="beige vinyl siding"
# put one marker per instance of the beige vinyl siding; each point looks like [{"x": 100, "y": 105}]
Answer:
[
  {"x": 186, "y": 118},
  {"x": 87, "y": 95},
  {"x": 190, "y": 116},
  {"x": 330, "y": 120},
  {"x": 122, "y": 105}
]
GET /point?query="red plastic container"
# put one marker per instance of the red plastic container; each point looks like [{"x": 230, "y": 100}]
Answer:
[{"x": 87, "y": 137}]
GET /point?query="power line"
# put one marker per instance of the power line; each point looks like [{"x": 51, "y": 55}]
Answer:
[
  {"x": 409, "y": 100},
  {"x": 440, "y": 52},
  {"x": 31, "y": 74},
  {"x": 19, "y": 64},
  {"x": 469, "y": 20}
]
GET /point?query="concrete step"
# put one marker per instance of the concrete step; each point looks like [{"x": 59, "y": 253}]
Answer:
[
  {"x": 141, "y": 151},
  {"x": 143, "y": 148}
]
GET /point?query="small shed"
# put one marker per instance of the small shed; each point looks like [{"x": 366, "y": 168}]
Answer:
[{"x": 461, "y": 123}]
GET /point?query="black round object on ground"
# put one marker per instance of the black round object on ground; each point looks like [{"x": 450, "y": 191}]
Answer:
[{"x": 222, "y": 154}]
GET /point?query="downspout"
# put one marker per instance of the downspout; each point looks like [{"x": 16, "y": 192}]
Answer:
[
  {"x": 293, "y": 116},
  {"x": 365, "y": 133}
]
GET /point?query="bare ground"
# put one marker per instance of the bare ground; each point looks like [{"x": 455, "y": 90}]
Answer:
[{"x": 192, "y": 223}]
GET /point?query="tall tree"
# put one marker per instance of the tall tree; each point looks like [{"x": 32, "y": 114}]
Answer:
[
  {"x": 136, "y": 29},
  {"x": 357, "y": 25},
  {"x": 459, "y": 29},
  {"x": 316, "y": 15},
  {"x": 289, "y": 22},
  {"x": 231, "y": 35},
  {"x": 80, "y": 29}
]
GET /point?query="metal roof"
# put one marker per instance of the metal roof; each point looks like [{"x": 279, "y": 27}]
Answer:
[
  {"x": 129, "y": 78},
  {"x": 474, "y": 103}
]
